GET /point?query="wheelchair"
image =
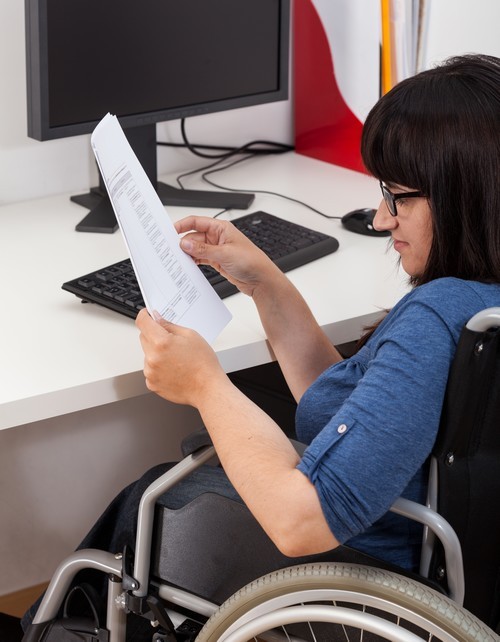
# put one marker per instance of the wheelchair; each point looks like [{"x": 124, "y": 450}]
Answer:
[{"x": 233, "y": 585}]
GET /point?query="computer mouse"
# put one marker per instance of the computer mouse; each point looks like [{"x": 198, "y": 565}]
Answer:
[{"x": 361, "y": 222}]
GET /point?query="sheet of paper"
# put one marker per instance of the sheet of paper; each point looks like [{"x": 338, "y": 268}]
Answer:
[{"x": 170, "y": 281}]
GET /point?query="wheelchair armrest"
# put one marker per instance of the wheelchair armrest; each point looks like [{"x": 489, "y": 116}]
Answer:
[
  {"x": 203, "y": 453},
  {"x": 194, "y": 441},
  {"x": 147, "y": 509},
  {"x": 197, "y": 449},
  {"x": 446, "y": 535}
]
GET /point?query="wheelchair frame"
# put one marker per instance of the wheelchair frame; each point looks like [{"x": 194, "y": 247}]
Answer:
[{"x": 124, "y": 586}]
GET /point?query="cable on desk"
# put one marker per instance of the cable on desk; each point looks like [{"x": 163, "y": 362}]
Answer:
[
  {"x": 270, "y": 147},
  {"x": 257, "y": 191},
  {"x": 217, "y": 162}
]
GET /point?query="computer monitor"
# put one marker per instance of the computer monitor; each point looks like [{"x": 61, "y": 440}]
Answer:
[{"x": 148, "y": 61}]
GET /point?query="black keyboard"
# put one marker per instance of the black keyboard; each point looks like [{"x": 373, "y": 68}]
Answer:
[{"x": 289, "y": 246}]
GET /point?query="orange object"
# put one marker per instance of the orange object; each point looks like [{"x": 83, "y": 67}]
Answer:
[{"x": 387, "y": 80}]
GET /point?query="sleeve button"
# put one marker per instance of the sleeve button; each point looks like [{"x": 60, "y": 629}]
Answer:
[{"x": 342, "y": 428}]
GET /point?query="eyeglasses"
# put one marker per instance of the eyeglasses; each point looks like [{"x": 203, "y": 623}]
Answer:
[{"x": 390, "y": 198}]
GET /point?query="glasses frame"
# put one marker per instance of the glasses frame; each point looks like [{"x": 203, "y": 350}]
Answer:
[{"x": 390, "y": 198}]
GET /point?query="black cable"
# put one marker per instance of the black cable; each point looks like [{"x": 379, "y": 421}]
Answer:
[
  {"x": 272, "y": 147},
  {"x": 217, "y": 162},
  {"x": 219, "y": 213},
  {"x": 193, "y": 149},
  {"x": 246, "y": 148},
  {"x": 279, "y": 147},
  {"x": 197, "y": 145},
  {"x": 257, "y": 191}
]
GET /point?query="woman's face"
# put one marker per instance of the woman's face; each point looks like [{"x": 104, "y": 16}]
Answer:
[{"x": 411, "y": 229}]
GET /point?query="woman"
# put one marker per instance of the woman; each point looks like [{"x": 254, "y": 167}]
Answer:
[{"x": 369, "y": 421}]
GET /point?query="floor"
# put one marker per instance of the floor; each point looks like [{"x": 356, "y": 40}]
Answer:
[
  {"x": 10, "y": 628},
  {"x": 12, "y": 607}
]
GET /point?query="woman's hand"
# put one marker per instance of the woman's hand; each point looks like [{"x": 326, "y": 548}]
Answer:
[
  {"x": 221, "y": 245},
  {"x": 299, "y": 344},
  {"x": 179, "y": 365}
]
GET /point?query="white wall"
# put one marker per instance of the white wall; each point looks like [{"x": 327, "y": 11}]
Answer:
[
  {"x": 58, "y": 475},
  {"x": 29, "y": 168},
  {"x": 462, "y": 26},
  {"x": 44, "y": 507}
]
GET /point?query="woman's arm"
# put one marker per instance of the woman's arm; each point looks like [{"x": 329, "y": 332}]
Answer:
[
  {"x": 301, "y": 347},
  {"x": 256, "y": 455}
]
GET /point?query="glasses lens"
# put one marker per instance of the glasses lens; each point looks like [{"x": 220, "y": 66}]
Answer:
[{"x": 389, "y": 201}]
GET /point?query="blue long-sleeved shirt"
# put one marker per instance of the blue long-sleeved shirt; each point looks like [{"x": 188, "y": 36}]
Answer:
[{"x": 371, "y": 420}]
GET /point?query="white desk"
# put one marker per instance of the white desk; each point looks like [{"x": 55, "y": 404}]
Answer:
[
  {"x": 71, "y": 384},
  {"x": 61, "y": 356}
]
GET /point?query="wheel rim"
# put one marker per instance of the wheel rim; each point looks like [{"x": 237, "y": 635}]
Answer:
[
  {"x": 367, "y": 591},
  {"x": 290, "y": 608}
]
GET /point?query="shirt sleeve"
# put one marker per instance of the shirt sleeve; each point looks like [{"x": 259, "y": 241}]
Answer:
[{"x": 371, "y": 448}]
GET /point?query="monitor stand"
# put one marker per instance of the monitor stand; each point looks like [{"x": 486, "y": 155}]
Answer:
[{"x": 101, "y": 217}]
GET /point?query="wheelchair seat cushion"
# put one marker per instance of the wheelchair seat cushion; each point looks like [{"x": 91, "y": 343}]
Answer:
[{"x": 213, "y": 546}]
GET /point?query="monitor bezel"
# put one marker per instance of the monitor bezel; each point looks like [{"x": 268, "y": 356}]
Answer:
[{"x": 38, "y": 83}]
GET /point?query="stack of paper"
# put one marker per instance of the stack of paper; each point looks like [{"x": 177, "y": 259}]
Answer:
[{"x": 171, "y": 283}]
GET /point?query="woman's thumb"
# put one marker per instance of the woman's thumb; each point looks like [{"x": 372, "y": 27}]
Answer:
[
  {"x": 188, "y": 246},
  {"x": 167, "y": 325},
  {"x": 196, "y": 249}
]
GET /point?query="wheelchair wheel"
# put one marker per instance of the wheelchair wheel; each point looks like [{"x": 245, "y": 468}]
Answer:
[{"x": 320, "y": 602}]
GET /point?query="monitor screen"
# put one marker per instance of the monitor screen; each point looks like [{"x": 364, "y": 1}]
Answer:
[{"x": 148, "y": 61}]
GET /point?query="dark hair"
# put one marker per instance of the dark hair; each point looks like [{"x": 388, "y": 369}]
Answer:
[{"x": 439, "y": 132}]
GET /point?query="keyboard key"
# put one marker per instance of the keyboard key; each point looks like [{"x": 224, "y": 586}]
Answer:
[
  {"x": 86, "y": 282},
  {"x": 134, "y": 301},
  {"x": 112, "y": 293}
]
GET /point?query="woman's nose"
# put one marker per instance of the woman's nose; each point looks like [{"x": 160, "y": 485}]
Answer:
[{"x": 383, "y": 221}]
